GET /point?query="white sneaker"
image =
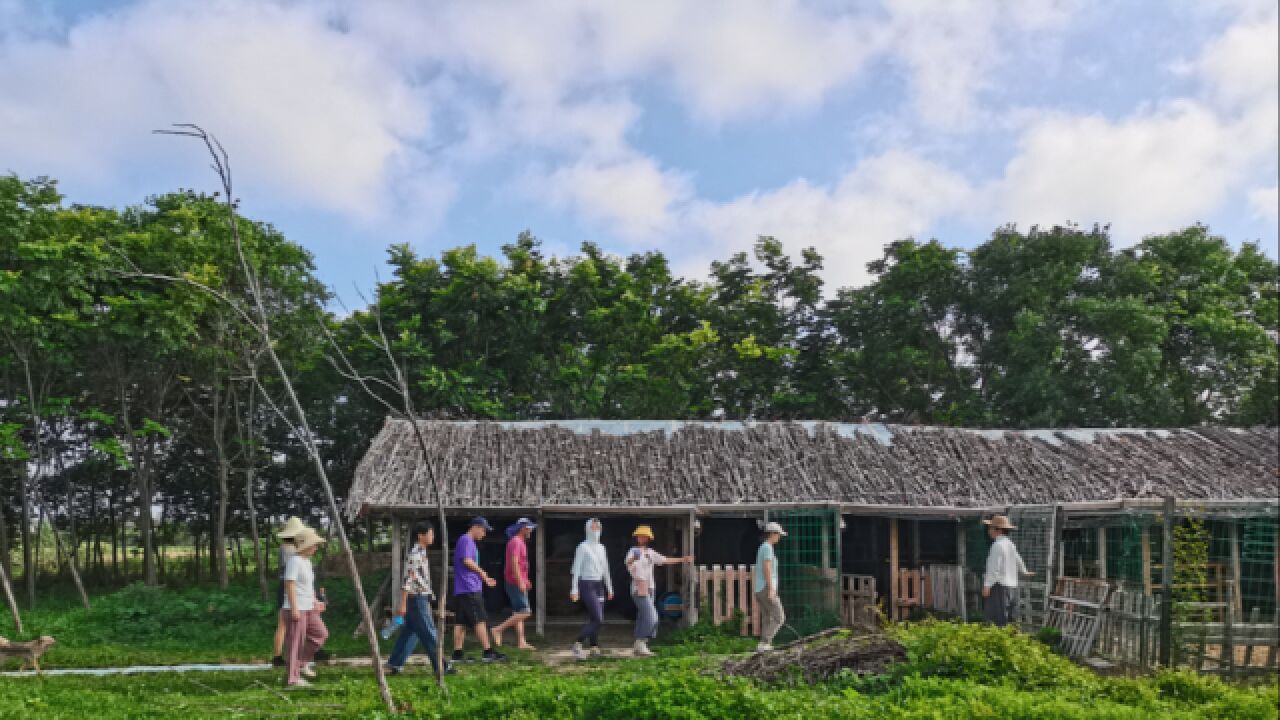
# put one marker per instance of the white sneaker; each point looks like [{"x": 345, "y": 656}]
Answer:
[
  {"x": 640, "y": 649},
  {"x": 299, "y": 683},
  {"x": 764, "y": 647},
  {"x": 578, "y": 652},
  {"x": 308, "y": 670}
]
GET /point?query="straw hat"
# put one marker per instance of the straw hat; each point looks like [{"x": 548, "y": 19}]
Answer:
[
  {"x": 1000, "y": 522},
  {"x": 643, "y": 531},
  {"x": 774, "y": 527},
  {"x": 291, "y": 528},
  {"x": 307, "y": 538}
]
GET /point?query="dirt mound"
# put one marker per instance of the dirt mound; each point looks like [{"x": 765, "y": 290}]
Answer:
[{"x": 821, "y": 656}]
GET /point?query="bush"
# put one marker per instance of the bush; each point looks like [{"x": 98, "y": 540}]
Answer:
[{"x": 987, "y": 655}]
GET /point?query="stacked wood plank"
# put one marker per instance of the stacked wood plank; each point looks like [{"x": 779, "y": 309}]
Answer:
[{"x": 611, "y": 464}]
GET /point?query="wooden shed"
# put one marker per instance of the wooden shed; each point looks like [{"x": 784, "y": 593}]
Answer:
[{"x": 872, "y": 501}]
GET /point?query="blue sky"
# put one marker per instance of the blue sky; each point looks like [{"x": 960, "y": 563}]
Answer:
[{"x": 685, "y": 127}]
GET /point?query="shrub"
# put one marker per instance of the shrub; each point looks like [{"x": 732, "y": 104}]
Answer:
[{"x": 986, "y": 655}]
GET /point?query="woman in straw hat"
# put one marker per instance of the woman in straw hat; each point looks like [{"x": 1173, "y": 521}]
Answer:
[
  {"x": 1000, "y": 581},
  {"x": 287, "y": 550},
  {"x": 305, "y": 631},
  {"x": 641, "y": 560}
]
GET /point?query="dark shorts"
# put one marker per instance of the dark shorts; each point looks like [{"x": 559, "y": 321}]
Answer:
[
  {"x": 471, "y": 609},
  {"x": 519, "y": 598}
]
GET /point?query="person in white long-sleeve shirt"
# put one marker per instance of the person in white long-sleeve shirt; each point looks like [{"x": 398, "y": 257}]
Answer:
[
  {"x": 1004, "y": 568},
  {"x": 590, "y": 580}
]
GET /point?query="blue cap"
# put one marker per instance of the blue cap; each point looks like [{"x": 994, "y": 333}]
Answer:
[
  {"x": 519, "y": 525},
  {"x": 479, "y": 520}
]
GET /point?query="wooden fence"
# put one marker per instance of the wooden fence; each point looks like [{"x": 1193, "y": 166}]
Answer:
[
  {"x": 858, "y": 601},
  {"x": 724, "y": 590},
  {"x": 1207, "y": 636}
]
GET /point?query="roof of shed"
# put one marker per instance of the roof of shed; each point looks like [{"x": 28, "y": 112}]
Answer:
[{"x": 654, "y": 463}]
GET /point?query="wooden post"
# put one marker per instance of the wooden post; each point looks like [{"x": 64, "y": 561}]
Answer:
[
  {"x": 962, "y": 561},
  {"x": 1102, "y": 553},
  {"x": 397, "y": 553},
  {"x": 893, "y": 569},
  {"x": 1146, "y": 560},
  {"x": 1235, "y": 565},
  {"x": 1166, "y": 585},
  {"x": 1227, "y": 650},
  {"x": 540, "y": 590},
  {"x": 686, "y": 591}
]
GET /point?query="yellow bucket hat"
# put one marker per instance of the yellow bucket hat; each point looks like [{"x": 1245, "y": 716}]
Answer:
[{"x": 643, "y": 530}]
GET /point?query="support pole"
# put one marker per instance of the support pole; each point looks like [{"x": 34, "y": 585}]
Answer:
[
  {"x": 1102, "y": 553},
  {"x": 1235, "y": 566},
  {"x": 893, "y": 569},
  {"x": 1146, "y": 560},
  {"x": 540, "y": 590},
  {"x": 1166, "y": 584},
  {"x": 686, "y": 591},
  {"x": 397, "y": 555},
  {"x": 962, "y": 561}
]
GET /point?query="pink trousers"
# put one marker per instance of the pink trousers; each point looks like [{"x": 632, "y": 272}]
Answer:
[{"x": 302, "y": 638}]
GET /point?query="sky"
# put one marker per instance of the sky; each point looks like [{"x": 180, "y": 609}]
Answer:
[{"x": 685, "y": 127}]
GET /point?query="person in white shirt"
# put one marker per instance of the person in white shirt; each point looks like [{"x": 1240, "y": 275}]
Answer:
[
  {"x": 590, "y": 580},
  {"x": 641, "y": 560},
  {"x": 304, "y": 630},
  {"x": 1004, "y": 567}
]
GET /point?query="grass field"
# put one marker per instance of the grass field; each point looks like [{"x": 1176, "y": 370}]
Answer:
[{"x": 953, "y": 671}]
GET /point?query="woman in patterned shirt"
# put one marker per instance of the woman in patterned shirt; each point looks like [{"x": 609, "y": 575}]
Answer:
[{"x": 416, "y": 599}]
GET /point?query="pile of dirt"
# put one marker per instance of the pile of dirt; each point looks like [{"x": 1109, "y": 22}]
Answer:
[{"x": 819, "y": 657}]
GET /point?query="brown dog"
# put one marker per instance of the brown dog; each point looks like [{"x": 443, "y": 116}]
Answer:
[{"x": 28, "y": 652}]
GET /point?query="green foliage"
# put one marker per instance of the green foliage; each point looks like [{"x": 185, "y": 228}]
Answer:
[
  {"x": 986, "y": 654},
  {"x": 935, "y": 683},
  {"x": 1050, "y": 636}
]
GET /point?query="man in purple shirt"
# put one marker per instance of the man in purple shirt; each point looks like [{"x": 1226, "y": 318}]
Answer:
[{"x": 469, "y": 581}]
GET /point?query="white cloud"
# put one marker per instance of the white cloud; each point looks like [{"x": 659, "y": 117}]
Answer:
[
  {"x": 1162, "y": 167},
  {"x": 950, "y": 48},
  {"x": 1150, "y": 171},
  {"x": 633, "y": 197},
  {"x": 311, "y": 116},
  {"x": 885, "y": 198},
  {"x": 1265, "y": 203}
]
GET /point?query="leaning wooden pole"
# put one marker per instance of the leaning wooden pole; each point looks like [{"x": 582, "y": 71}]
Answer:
[
  {"x": 221, "y": 165},
  {"x": 8, "y": 596}
]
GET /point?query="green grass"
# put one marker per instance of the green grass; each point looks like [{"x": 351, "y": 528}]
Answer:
[
  {"x": 138, "y": 625},
  {"x": 953, "y": 671}
]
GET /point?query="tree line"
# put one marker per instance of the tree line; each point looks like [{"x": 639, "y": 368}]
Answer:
[{"x": 138, "y": 414}]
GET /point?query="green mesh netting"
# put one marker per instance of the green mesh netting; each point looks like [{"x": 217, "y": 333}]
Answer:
[{"x": 808, "y": 570}]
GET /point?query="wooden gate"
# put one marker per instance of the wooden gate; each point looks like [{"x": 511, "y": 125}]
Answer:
[{"x": 1076, "y": 609}]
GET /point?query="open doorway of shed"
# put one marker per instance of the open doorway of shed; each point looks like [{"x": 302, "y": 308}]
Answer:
[
  {"x": 565, "y": 532},
  {"x": 866, "y": 547}
]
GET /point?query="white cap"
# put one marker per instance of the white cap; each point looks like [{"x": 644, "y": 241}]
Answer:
[{"x": 774, "y": 527}]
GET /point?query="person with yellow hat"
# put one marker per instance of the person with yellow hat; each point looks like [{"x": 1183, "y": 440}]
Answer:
[
  {"x": 641, "y": 560},
  {"x": 287, "y": 550},
  {"x": 1000, "y": 581},
  {"x": 304, "y": 629}
]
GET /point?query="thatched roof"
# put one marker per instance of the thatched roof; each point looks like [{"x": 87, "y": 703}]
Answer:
[{"x": 631, "y": 463}]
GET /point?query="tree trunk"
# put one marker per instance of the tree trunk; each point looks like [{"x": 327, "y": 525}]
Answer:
[
  {"x": 145, "y": 495},
  {"x": 111, "y": 513},
  {"x": 8, "y": 597},
  {"x": 28, "y": 557},
  {"x": 70, "y": 556},
  {"x": 218, "y": 543},
  {"x": 4, "y": 575},
  {"x": 258, "y": 559}
]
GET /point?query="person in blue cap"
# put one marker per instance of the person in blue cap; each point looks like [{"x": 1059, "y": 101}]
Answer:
[
  {"x": 516, "y": 579},
  {"x": 469, "y": 582}
]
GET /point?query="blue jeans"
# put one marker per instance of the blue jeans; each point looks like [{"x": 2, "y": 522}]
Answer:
[
  {"x": 418, "y": 627},
  {"x": 646, "y": 616}
]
